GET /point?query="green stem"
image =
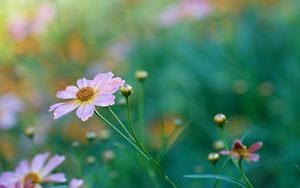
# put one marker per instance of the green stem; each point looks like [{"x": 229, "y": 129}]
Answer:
[
  {"x": 141, "y": 150},
  {"x": 128, "y": 133},
  {"x": 227, "y": 160},
  {"x": 243, "y": 174},
  {"x": 221, "y": 170},
  {"x": 224, "y": 139},
  {"x": 130, "y": 120},
  {"x": 132, "y": 129},
  {"x": 120, "y": 122},
  {"x": 120, "y": 133},
  {"x": 140, "y": 109}
]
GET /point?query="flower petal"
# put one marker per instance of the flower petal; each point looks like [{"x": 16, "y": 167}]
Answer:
[
  {"x": 58, "y": 177},
  {"x": 255, "y": 147},
  {"x": 76, "y": 183},
  {"x": 68, "y": 93},
  {"x": 111, "y": 86},
  {"x": 54, "y": 106},
  {"x": 224, "y": 152},
  {"x": 237, "y": 144},
  {"x": 85, "y": 111},
  {"x": 64, "y": 108},
  {"x": 54, "y": 162},
  {"x": 83, "y": 82},
  {"x": 253, "y": 157},
  {"x": 101, "y": 78},
  {"x": 38, "y": 162},
  {"x": 104, "y": 100},
  {"x": 22, "y": 168}
]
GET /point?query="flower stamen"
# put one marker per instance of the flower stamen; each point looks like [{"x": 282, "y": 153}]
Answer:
[
  {"x": 31, "y": 178},
  {"x": 85, "y": 94}
]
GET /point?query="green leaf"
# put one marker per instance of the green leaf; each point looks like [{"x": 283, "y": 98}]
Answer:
[
  {"x": 298, "y": 168},
  {"x": 211, "y": 176}
]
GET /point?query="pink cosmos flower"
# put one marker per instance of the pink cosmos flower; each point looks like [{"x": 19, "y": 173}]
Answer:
[
  {"x": 86, "y": 95},
  {"x": 75, "y": 183},
  {"x": 20, "y": 26},
  {"x": 44, "y": 15},
  {"x": 30, "y": 176},
  {"x": 241, "y": 151},
  {"x": 184, "y": 9},
  {"x": 10, "y": 106}
]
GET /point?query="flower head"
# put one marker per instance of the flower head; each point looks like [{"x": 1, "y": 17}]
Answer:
[
  {"x": 76, "y": 183},
  {"x": 86, "y": 95},
  {"x": 241, "y": 151},
  {"x": 10, "y": 106},
  {"x": 30, "y": 176}
]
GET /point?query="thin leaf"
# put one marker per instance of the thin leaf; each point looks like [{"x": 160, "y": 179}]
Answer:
[
  {"x": 245, "y": 135},
  {"x": 211, "y": 176},
  {"x": 298, "y": 168}
]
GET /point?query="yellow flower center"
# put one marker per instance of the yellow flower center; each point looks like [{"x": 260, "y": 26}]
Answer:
[
  {"x": 242, "y": 151},
  {"x": 31, "y": 177},
  {"x": 85, "y": 94}
]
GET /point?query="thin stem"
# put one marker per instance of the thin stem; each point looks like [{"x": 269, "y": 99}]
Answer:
[
  {"x": 120, "y": 133},
  {"x": 227, "y": 160},
  {"x": 130, "y": 120},
  {"x": 132, "y": 129},
  {"x": 120, "y": 122},
  {"x": 243, "y": 174},
  {"x": 141, "y": 112},
  {"x": 141, "y": 151},
  {"x": 221, "y": 170},
  {"x": 224, "y": 139}
]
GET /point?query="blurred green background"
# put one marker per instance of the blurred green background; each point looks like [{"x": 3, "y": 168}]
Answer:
[{"x": 237, "y": 57}]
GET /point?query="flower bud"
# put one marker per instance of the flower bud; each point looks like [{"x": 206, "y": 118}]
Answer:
[
  {"x": 218, "y": 145},
  {"x": 213, "y": 158},
  {"x": 141, "y": 75},
  {"x": 122, "y": 101},
  {"x": 178, "y": 122},
  {"x": 104, "y": 134},
  {"x": 29, "y": 132},
  {"x": 90, "y": 136},
  {"x": 90, "y": 159},
  {"x": 75, "y": 144},
  {"x": 126, "y": 90},
  {"x": 108, "y": 155},
  {"x": 220, "y": 120}
]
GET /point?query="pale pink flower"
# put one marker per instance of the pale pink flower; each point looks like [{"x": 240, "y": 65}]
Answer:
[
  {"x": 31, "y": 176},
  {"x": 76, "y": 183},
  {"x": 184, "y": 9},
  {"x": 86, "y": 95},
  {"x": 10, "y": 106},
  {"x": 18, "y": 27},
  {"x": 44, "y": 15},
  {"x": 241, "y": 151}
]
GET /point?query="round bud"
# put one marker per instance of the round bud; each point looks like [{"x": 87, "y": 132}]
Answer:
[
  {"x": 90, "y": 159},
  {"x": 122, "y": 101},
  {"x": 126, "y": 90},
  {"x": 108, "y": 155},
  {"x": 141, "y": 75},
  {"x": 220, "y": 120},
  {"x": 213, "y": 158},
  {"x": 29, "y": 132},
  {"x": 178, "y": 122},
  {"x": 104, "y": 134},
  {"x": 90, "y": 136},
  {"x": 75, "y": 144},
  {"x": 218, "y": 145}
]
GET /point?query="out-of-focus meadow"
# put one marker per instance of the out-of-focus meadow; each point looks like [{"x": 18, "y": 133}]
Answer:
[{"x": 240, "y": 58}]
